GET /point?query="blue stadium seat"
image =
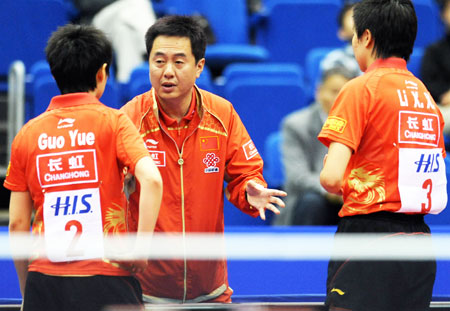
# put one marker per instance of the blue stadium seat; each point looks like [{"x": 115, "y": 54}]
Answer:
[
  {"x": 429, "y": 26},
  {"x": 262, "y": 99},
  {"x": 26, "y": 28},
  {"x": 138, "y": 83},
  {"x": 39, "y": 69},
  {"x": 43, "y": 88},
  {"x": 111, "y": 96},
  {"x": 141, "y": 71},
  {"x": 205, "y": 81},
  {"x": 138, "y": 86},
  {"x": 235, "y": 217},
  {"x": 242, "y": 70},
  {"x": 415, "y": 61},
  {"x": 222, "y": 54},
  {"x": 293, "y": 27},
  {"x": 228, "y": 19},
  {"x": 273, "y": 164},
  {"x": 169, "y": 7},
  {"x": 230, "y": 24}
]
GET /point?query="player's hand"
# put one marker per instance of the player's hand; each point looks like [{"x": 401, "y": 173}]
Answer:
[{"x": 263, "y": 198}]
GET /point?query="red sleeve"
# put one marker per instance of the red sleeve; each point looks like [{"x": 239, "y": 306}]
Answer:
[
  {"x": 348, "y": 116},
  {"x": 130, "y": 146},
  {"x": 244, "y": 164}
]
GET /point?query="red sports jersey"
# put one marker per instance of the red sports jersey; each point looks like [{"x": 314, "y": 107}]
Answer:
[
  {"x": 70, "y": 160},
  {"x": 390, "y": 121}
]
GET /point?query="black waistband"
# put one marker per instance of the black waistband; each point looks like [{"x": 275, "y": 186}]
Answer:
[{"x": 390, "y": 216}]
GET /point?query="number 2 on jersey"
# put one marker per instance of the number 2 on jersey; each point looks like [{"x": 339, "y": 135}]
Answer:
[{"x": 73, "y": 250}]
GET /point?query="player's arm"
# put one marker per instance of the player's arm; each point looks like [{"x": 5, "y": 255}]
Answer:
[
  {"x": 20, "y": 209},
  {"x": 334, "y": 166},
  {"x": 150, "y": 198}
]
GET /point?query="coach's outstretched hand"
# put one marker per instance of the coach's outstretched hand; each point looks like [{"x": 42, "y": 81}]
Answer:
[{"x": 262, "y": 198}]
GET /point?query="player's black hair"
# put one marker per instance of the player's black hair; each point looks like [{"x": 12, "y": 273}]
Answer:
[
  {"x": 393, "y": 24},
  {"x": 75, "y": 53}
]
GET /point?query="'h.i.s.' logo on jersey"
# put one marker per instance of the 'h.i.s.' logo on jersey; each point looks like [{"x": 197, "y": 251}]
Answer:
[
  {"x": 211, "y": 161},
  {"x": 73, "y": 224},
  {"x": 428, "y": 163},
  {"x": 72, "y": 204}
]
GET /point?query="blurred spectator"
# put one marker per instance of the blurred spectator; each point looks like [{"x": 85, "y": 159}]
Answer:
[
  {"x": 435, "y": 68},
  {"x": 125, "y": 22},
  {"x": 254, "y": 6},
  {"x": 343, "y": 57},
  {"x": 308, "y": 203},
  {"x": 88, "y": 8}
]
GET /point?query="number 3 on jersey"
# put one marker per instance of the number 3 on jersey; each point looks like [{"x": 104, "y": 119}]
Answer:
[
  {"x": 428, "y": 186},
  {"x": 422, "y": 182},
  {"x": 73, "y": 225}
]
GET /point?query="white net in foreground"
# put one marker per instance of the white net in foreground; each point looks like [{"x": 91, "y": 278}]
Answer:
[{"x": 251, "y": 246}]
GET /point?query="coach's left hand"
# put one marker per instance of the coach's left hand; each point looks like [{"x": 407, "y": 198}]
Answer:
[{"x": 263, "y": 198}]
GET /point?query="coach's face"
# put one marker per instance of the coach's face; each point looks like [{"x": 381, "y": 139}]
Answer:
[{"x": 173, "y": 69}]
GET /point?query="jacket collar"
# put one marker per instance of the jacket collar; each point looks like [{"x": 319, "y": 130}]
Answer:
[
  {"x": 72, "y": 99},
  {"x": 391, "y": 62}
]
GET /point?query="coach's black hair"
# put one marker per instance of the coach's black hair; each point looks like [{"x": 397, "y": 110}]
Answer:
[{"x": 178, "y": 26}]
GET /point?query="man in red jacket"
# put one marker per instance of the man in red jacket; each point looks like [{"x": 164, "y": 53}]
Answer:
[{"x": 198, "y": 141}]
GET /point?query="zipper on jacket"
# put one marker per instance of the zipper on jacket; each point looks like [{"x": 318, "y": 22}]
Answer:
[
  {"x": 180, "y": 163},
  {"x": 183, "y": 220}
]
